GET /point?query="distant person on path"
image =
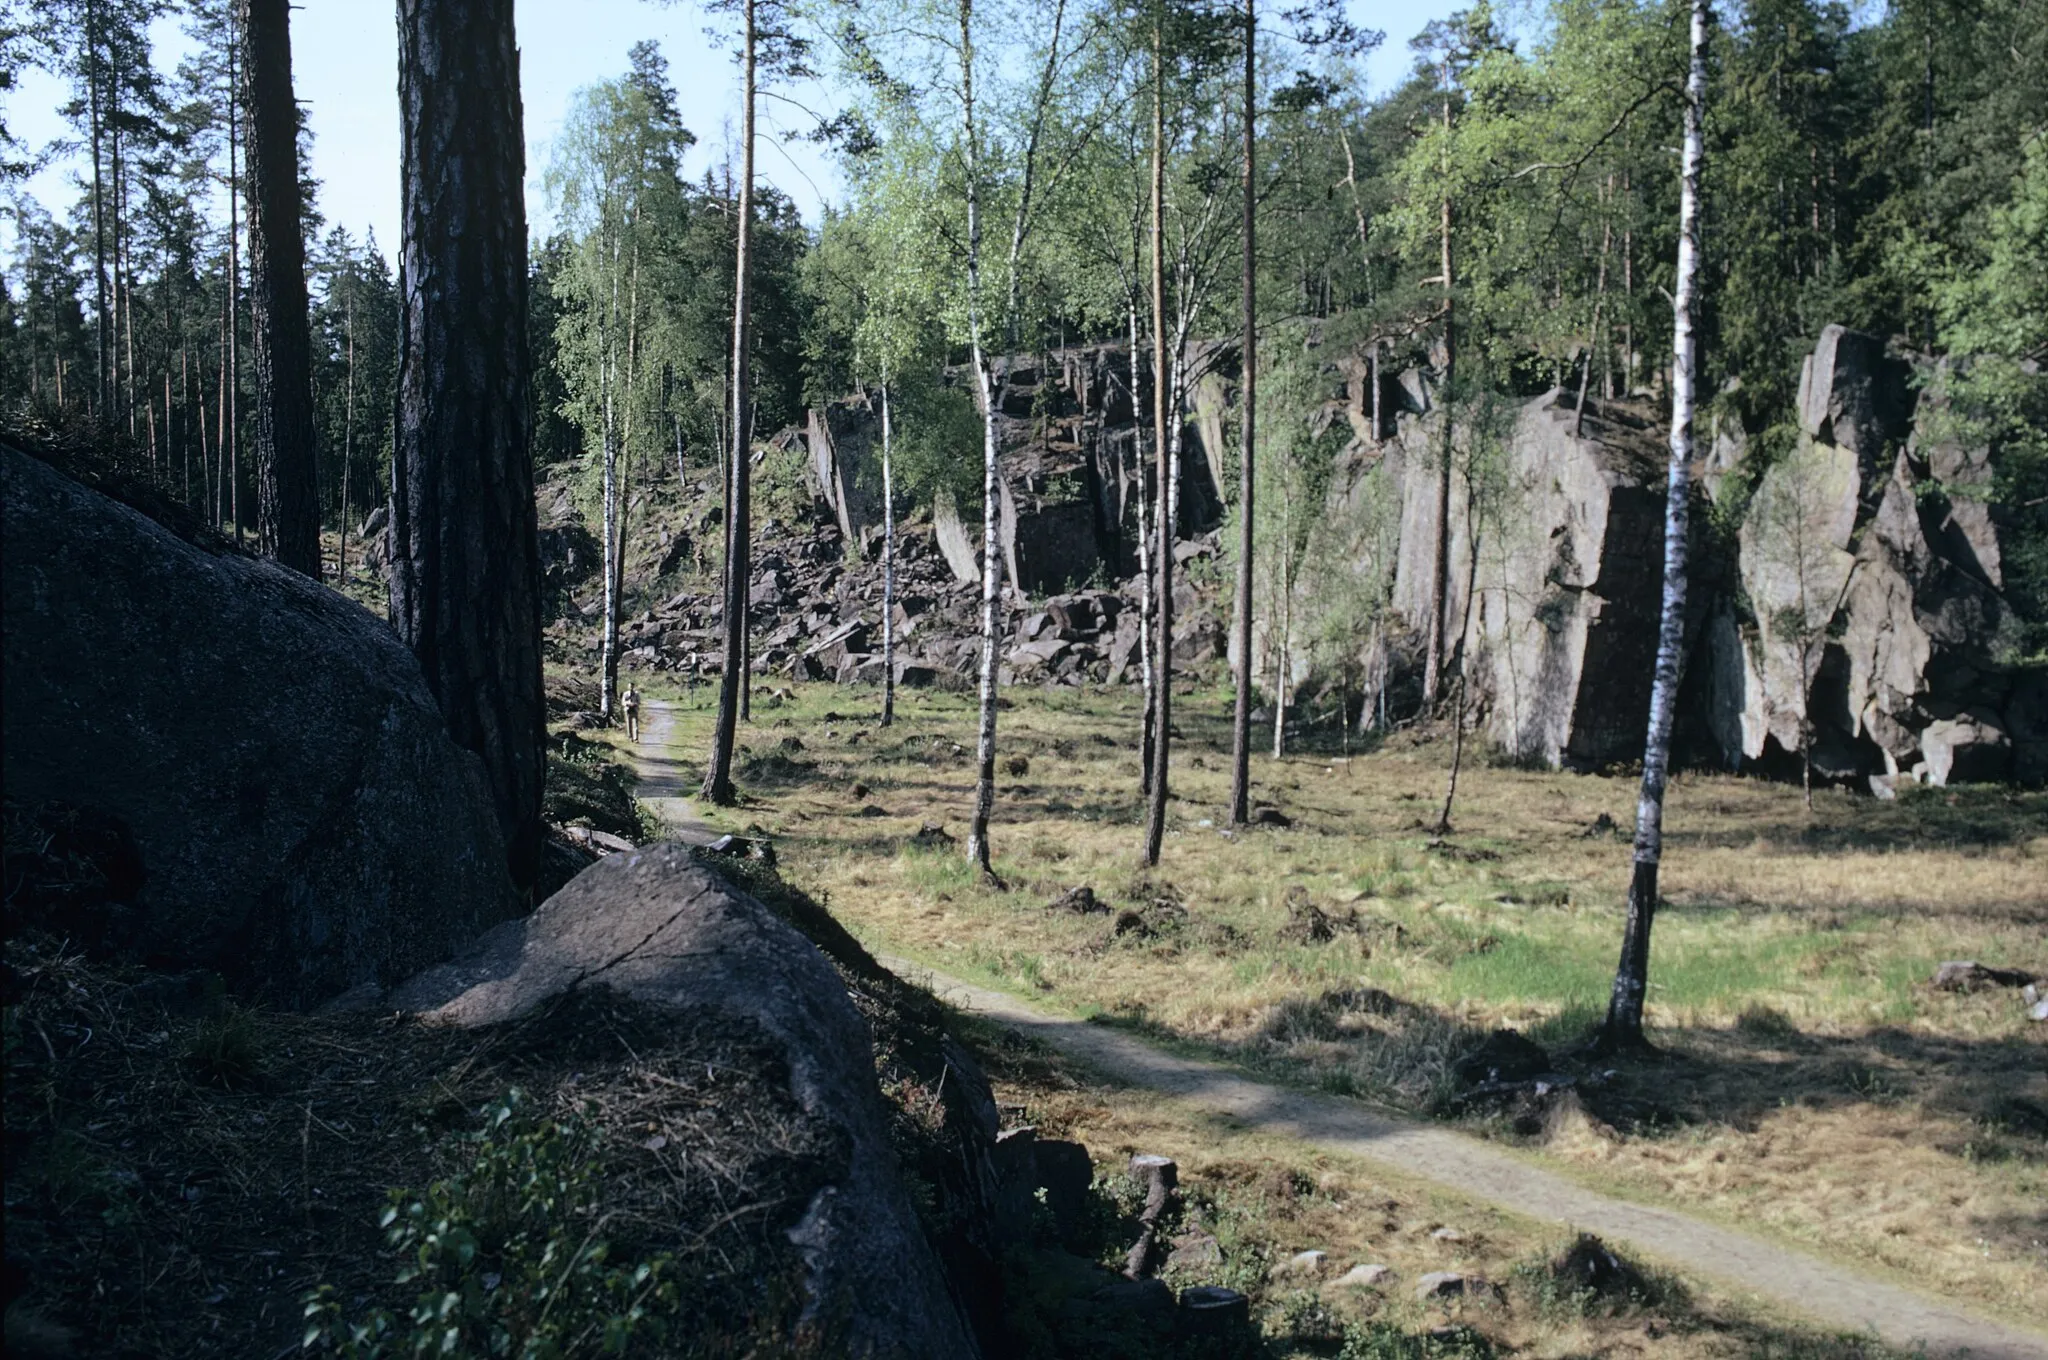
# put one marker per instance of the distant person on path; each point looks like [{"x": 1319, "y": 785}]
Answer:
[{"x": 630, "y": 701}]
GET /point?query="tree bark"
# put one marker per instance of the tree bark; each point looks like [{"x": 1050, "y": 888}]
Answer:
[
  {"x": 718, "y": 785},
  {"x": 1440, "y": 571},
  {"x": 233, "y": 372},
  {"x": 287, "y": 489},
  {"x": 991, "y": 506},
  {"x": 1162, "y": 693},
  {"x": 1624, "y": 1025},
  {"x": 888, "y": 570},
  {"x": 465, "y": 571},
  {"x": 96, "y": 122},
  {"x": 1241, "y": 715}
]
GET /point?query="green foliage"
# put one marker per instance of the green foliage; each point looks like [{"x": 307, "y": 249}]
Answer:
[
  {"x": 1386, "y": 1341},
  {"x": 506, "y": 1258}
]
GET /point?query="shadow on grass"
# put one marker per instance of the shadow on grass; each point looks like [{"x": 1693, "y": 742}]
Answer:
[{"x": 1969, "y": 817}]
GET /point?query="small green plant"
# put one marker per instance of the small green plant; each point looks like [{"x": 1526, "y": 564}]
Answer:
[
  {"x": 506, "y": 1258},
  {"x": 226, "y": 1050},
  {"x": 1385, "y": 1341}
]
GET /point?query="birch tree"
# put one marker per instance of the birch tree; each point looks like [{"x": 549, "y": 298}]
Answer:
[{"x": 1624, "y": 1024}]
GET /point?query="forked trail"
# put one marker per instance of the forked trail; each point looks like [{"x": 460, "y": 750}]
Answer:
[{"x": 1830, "y": 1294}]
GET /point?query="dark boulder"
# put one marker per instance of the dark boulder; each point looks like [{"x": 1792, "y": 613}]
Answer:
[
  {"x": 667, "y": 932},
  {"x": 300, "y": 820}
]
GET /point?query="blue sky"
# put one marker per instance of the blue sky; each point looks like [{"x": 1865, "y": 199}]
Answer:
[{"x": 345, "y": 70}]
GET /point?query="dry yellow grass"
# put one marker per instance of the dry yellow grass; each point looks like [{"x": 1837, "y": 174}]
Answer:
[
  {"x": 1812, "y": 1086},
  {"x": 1266, "y": 1199}
]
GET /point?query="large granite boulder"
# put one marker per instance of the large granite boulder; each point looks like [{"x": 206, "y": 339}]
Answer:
[
  {"x": 269, "y": 750},
  {"x": 663, "y": 930}
]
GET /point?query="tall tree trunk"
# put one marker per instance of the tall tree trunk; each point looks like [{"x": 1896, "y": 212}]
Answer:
[
  {"x": 1162, "y": 689},
  {"x": 888, "y": 569},
  {"x": 1599, "y": 308},
  {"x": 234, "y": 360},
  {"x": 608, "y": 405},
  {"x": 1284, "y": 665},
  {"x": 348, "y": 426},
  {"x": 718, "y": 786},
  {"x": 465, "y": 569},
  {"x": 1440, "y": 569},
  {"x": 1147, "y": 658},
  {"x": 287, "y": 485},
  {"x": 96, "y": 126},
  {"x": 1241, "y": 714},
  {"x": 1624, "y": 1026},
  {"x": 991, "y": 472}
]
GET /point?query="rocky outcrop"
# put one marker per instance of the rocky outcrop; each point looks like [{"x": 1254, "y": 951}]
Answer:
[
  {"x": 1564, "y": 623},
  {"x": 1872, "y": 568},
  {"x": 299, "y": 819},
  {"x": 667, "y": 932}
]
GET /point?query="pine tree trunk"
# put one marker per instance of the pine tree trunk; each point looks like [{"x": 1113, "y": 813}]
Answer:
[
  {"x": 718, "y": 785},
  {"x": 1624, "y": 1025},
  {"x": 348, "y": 430},
  {"x": 1241, "y": 714},
  {"x": 233, "y": 371},
  {"x": 287, "y": 489},
  {"x": 465, "y": 572},
  {"x": 96, "y": 123},
  {"x": 1162, "y": 690},
  {"x": 888, "y": 570}
]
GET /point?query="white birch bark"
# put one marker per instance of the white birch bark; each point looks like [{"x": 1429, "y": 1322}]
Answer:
[
  {"x": 991, "y": 547},
  {"x": 1624, "y": 1027}
]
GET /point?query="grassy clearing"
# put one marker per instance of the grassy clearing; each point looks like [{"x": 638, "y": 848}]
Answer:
[{"x": 1811, "y": 1085}]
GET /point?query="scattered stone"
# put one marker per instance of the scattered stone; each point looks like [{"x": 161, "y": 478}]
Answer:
[
  {"x": 2037, "y": 1004},
  {"x": 932, "y": 836},
  {"x": 1133, "y": 923},
  {"x": 1967, "y": 975},
  {"x": 1367, "y": 1276},
  {"x": 1447, "y": 1235},
  {"x": 1503, "y": 1056},
  {"x": 1080, "y": 900},
  {"x": 1449, "y": 1284},
  {"x": 1196, "y": 1251},
  {"x": 1301, "y": 1263},
  {"x": 1212, "y": 1310},
  {"x": 1307, "y": 923},
  {"x": 1591, "y": 1264}
]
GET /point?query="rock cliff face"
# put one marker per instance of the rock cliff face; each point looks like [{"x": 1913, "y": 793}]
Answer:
[
  {"x": 296, "y": 816},
  {"x": 1855, "y": 607},
  {"x": 1873, "y": 584},
  {"x": 1564, "y": 625},
  {"x": 1860, "y": 609}
]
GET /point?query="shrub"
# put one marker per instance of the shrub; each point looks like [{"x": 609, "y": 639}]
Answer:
[{"x": 506, "y": 1258}]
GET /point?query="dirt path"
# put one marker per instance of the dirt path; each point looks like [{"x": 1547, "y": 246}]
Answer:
[
  {"x": 1830, "y": 1294},
  {"x": 669, "y": 775}
]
